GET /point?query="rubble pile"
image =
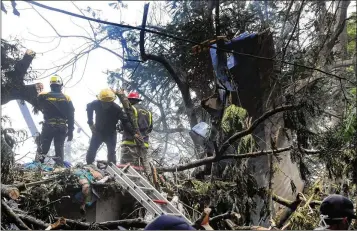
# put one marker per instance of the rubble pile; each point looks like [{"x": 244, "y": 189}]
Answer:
[
  {"x": 46, "y": 197},
  {"x": 31, "y": 202}
]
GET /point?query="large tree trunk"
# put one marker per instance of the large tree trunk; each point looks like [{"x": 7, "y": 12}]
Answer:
[{"x": 15, "y": 88}]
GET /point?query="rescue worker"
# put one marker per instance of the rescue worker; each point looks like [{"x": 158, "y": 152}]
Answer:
[
  {"x": 129, "y": 148},
  {"x": 336, "y": 213},
  {"x": 108, "y": 113},
  {"x": 58, "y": 112}
]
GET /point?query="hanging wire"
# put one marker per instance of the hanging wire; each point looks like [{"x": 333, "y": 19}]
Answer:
[{"x": 177, "y": 38}]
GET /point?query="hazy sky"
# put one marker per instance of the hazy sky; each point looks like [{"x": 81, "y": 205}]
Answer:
[{"x": 30, "y": 24}]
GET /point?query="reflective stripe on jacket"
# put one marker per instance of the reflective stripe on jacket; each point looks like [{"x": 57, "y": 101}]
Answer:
[
  {"x": 57, "y": 108},
  {"x": 144, "y": 119}
]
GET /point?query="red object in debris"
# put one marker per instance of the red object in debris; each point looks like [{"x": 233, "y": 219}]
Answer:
[
  {"x": 160, "y": 202},
  {"x": 134, "y": 167}
]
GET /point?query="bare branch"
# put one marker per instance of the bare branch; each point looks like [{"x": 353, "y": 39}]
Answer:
[
  {"x": 208, "y": 160},
  {"x": 183, "y": 87}
]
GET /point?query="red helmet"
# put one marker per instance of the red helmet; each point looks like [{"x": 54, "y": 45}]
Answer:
[{"x": 134, "y": 95}]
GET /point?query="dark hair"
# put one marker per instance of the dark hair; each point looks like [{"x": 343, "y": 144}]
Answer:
[
  {"x": 56, "y": 88},
  {"x": 134, "y": 101}
]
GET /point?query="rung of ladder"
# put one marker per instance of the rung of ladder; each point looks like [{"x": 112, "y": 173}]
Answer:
[
  {"x": 145, "y": 188},
  {"x": 129, "y": 179},
  {"x": 133, "y": 176},
  {"x": 134, "y": 167}
]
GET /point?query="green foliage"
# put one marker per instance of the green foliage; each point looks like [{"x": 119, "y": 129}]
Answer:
[
  {"x": 233, "y": 119},
  {"x": 352, "y": 35}
]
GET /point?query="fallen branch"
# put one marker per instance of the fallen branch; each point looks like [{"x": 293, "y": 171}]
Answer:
[
  {"x": 24, "y": 185},
  {"x": 208, "y": 160},
  {"x": 34, "y": 221},
  {"x": 225, "y": 216},
  {"x": 14, "y": 216},
  {"x": 293, "y": 204},
  {"x": 288, "y": 203},
  {"x": 9, "y": 192},
  {"x": 137, "y": 223}
]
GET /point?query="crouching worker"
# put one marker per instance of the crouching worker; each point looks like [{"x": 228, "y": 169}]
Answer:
[
  {"x": 336, "y": 213},
  {"x": 107, "y": 115},
  {"x": 58, "y": 112}
]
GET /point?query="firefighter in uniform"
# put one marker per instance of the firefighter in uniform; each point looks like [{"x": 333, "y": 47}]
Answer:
[
  {"x": 58, "y": 112},
  {"x": 107, "y": 115},
  {"x": 129, "y": 148}
]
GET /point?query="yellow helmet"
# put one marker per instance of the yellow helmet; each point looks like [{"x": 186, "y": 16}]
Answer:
[
  {"x": 55, "y": 79},
  {"x": 106, "y": 95}
]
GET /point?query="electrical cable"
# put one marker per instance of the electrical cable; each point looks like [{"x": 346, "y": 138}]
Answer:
[{"x": 175, "y": 37}]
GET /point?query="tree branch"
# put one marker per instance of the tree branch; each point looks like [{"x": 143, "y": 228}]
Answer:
[
  {"x": 13, "y": 216},
  {"x": 208, "y": 160},
  {"x": 183, "y": 87},
  {"x": 231, "y": 140},
  {"x": 255, "y": 124}
]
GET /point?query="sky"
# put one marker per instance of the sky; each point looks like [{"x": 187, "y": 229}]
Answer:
[{"x": 30, "y": 24}]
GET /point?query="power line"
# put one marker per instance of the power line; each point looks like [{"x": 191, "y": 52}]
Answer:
[{"x": 175, "y": 37}]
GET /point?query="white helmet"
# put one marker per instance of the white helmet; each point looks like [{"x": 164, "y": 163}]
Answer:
[{"x": 55, "y": 79}]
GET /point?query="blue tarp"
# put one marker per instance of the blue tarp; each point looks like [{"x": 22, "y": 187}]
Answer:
[
  {"x": 35, "y": 165},
  {"x": 231, "y": 62},
  {"x": 219, "y": 71}
]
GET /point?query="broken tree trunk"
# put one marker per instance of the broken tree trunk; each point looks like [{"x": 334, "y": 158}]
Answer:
[
  {"x": 15, "y": 88},
  {"x": 9, "y": 192},
  {"x": 13, "y": 216}
]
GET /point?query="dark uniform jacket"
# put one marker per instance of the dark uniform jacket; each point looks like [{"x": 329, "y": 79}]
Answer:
[
  {"x": 57, "y": 108},
  {"x": 144, "y": 119},
  {"x": 106, "y": 120}
]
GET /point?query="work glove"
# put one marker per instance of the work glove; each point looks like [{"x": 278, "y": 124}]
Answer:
[
  {"x": 92, "y": 128},
  {"x": 69, "y": 136},
  {"x": 138, "y": 137}
]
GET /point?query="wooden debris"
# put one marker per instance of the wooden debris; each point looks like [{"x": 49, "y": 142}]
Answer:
[
  {"x": 13, "y": 216},
  {"x": 22, "y": 186},
  {"x": 34, "y": 221},
  {"x": 225, "y": 216},
  {"x": 138, "y": 223},
  {"x": 9, "y": 192}
]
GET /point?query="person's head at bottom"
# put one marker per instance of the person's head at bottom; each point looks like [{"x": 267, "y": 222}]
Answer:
[
  {"x": 337, "y": 212},
  {"x": 169, "y": 222}
]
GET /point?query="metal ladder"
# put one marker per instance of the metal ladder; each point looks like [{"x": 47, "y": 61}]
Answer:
[{"x": 136, "y": 184}]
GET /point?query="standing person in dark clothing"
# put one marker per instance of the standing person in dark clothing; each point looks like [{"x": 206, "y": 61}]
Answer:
[
  {"x": 107, "y": 115},
  {"x": 129, "y": 147},
  {"x": 58, "y": 111}
]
